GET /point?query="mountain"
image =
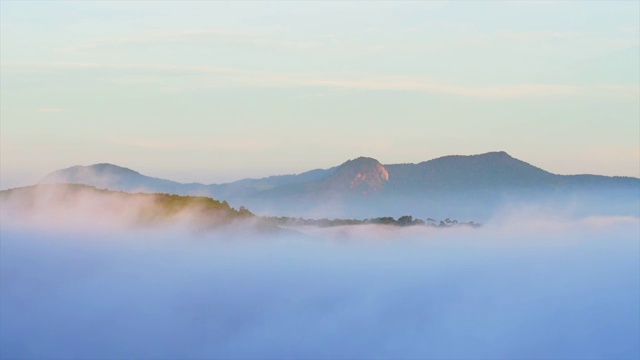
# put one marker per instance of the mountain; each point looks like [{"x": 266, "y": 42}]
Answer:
[
  {"x": 495, "y": 169},
  {"x": 363, "y": 187},
  {"x": 363, "y": 176},
  {"x": 251, "y": 187},
  {"x": 112, "y": 177},
  {"x": 359, "y": 177}
]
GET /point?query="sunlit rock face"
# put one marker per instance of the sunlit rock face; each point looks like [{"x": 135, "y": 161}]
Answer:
[{"x": 361, "y": 176}]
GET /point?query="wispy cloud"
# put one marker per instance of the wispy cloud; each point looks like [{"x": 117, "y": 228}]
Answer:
[
  {"x": 562, "y": 37},
  {"x": 281, "y": 39},
  {"x": 244, "y": 144},
  {"x": 408, "y": 84},
  {"x": 538, "y": 35},
  {"x": 140, "y": 67},
  {"x": 492, "y": 92},
  {"x": 221, "y": 77},
  {"x": 263, "y": 38},
  {"x": 174, "y": 36},
  {"x": 630, "y": 29},
  {"x": 271, "y": 38}
]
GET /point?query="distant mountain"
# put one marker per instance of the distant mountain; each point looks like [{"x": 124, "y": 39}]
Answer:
[
  {"x": 495, "y": 169},
  {"x": 113, "y": 177},
  {"x": 359, "y": 177},
  {"x": 362, "y": 176},
  {"x": 446, "y": 186},
  {"x": 251, "y": 187}
]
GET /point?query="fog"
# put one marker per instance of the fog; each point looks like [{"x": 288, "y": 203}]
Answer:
[{"x": 530, "y": 284}]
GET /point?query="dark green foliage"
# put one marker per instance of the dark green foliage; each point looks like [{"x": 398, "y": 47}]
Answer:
[{"x": 406, "y": 220}]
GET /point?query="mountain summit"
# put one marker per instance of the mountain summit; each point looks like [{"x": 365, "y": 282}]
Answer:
[
  {"x": 490, "y": 170},
  {"x": 96, "y": 175},
  {"x": 113, "y": 177},
  {"x": 362, "y": 176}
]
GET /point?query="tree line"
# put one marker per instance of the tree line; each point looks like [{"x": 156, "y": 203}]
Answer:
[{"x": 406, "y": 220}]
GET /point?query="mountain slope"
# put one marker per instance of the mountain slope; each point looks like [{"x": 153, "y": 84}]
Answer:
[
  {"x": 362, "y": 176},
  {"x": 113, "y": 177},
  {"x": 77, "y": 206},
  {"x": 485, "y": 171},
  {"x": 364, "y": 187},
  {"x": 471, "y": 187},
  {"x": 249, "y": 187}
]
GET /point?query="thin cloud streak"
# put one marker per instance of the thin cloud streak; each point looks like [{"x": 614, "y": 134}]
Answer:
[
  {"x": 264, "y": 38},
  {"x": 565, "y": 37},
  {"x": 32, "y": 67},
  {"x": 237, "y": 77},
  {"x": 272, "y": 38},
  {"x": 245, "y": 145},
  {"x": 179, "y": 36}
]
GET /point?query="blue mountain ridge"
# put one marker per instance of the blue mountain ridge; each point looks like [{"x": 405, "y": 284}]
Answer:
[{"x": 470, "y": 183}]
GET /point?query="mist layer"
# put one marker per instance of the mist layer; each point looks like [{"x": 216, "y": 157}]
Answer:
[{"x": 547, "y": 291}]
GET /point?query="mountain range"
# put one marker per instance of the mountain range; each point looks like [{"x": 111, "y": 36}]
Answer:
[{"x": 473, "y": 185}]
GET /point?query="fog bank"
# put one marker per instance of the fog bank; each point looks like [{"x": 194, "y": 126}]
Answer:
[{"x": 539, "y": 289}]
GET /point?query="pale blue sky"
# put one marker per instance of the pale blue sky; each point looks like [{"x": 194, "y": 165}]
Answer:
[{"x": 216, "y": 91}]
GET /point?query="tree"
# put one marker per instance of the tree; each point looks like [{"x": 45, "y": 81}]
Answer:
[
  {"x": 405, "y": 220},
  {"x": 243, "y": 211}
]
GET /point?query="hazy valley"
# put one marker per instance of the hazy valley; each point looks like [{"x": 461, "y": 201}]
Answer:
[{"x": 135, "y": 270}]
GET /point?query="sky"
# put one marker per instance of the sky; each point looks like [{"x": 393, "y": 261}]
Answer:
[{"x": 217, "y": 91}]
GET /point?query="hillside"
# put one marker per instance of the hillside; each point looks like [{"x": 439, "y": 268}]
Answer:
[
  {"x": 470, "y": 186},
  {"x": 84, "y": 205},
  {"x": 113, "y": 177},
  {"x": 81, "y": 206}
]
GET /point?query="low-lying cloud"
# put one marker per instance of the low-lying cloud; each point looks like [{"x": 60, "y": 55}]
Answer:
[{"x": 536, "y": 288}]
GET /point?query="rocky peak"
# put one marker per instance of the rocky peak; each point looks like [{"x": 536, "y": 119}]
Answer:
[{"x": 363, "y": 176}]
